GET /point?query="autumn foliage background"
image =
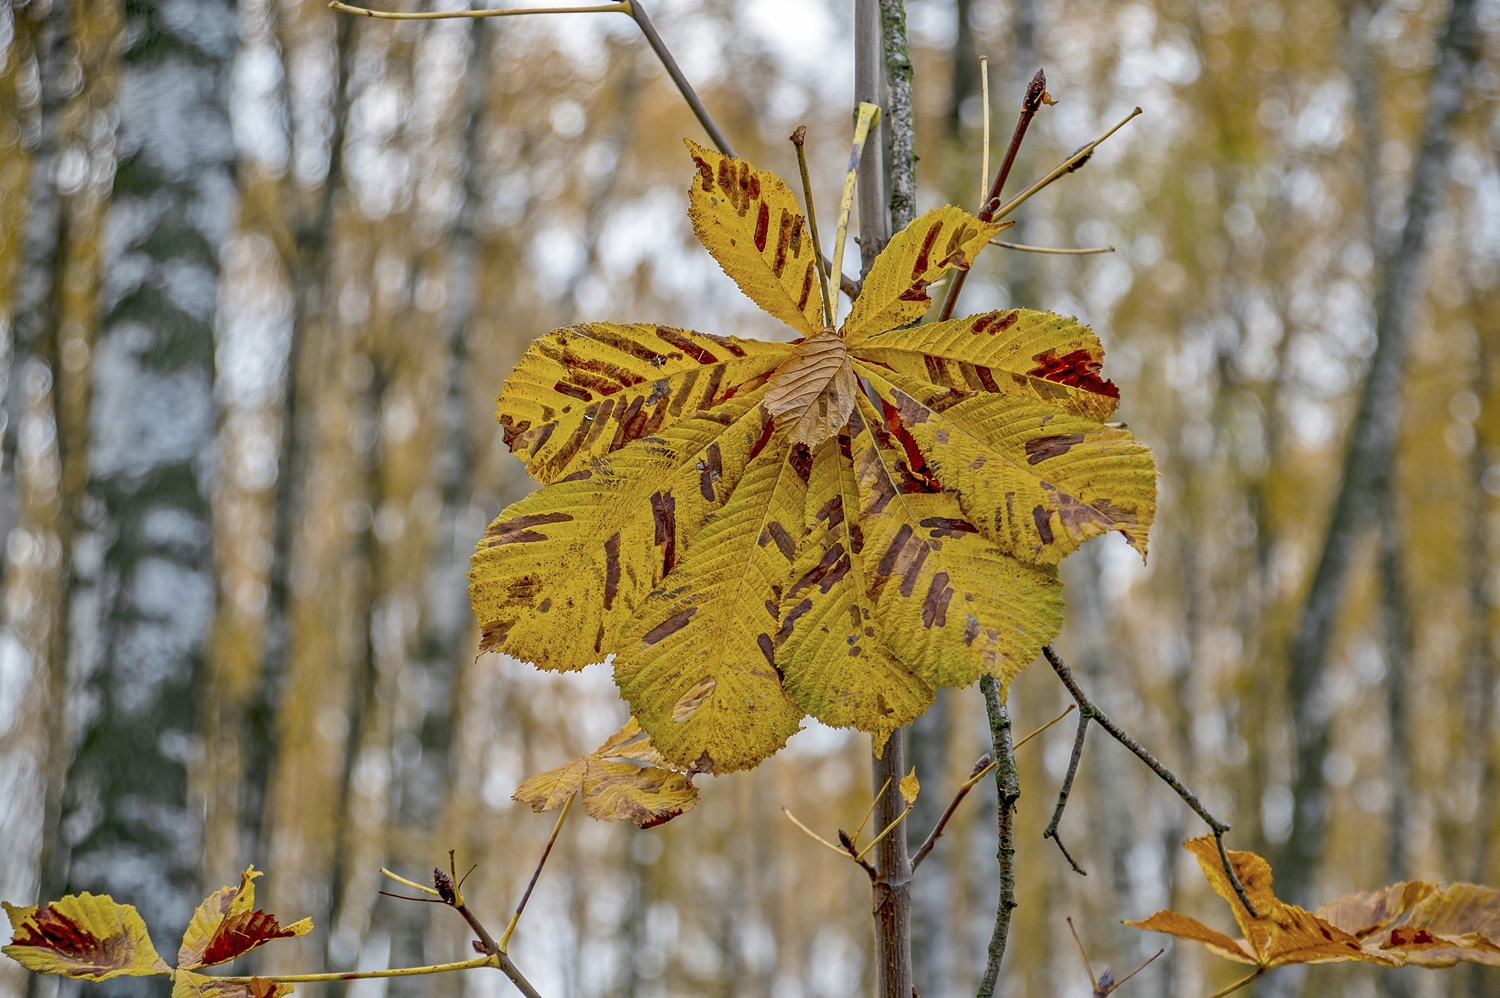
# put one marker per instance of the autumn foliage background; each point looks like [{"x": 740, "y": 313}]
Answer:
[{"x": 263, "y": 271}]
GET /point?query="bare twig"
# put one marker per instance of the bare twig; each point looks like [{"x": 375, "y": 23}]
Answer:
[
  {"x": 1138, "y": 969},
  {"x": 1238, "y": 984},
  {"x": 1093, "y": 981},
  {"x": 1029, "y": 106},
  {"x": 981, "y": 767},
  {"x": 631, "y": 7},
  {"x": 443, "y": 15},
  {"x": 409, "y": 883},
  {"x": 515, "y": 918},
  {"x": 1070, "y": 708},
  {"x": 1087, "y": 707},
  {"x": 984, "y": 143},
  {"x": 799, "y": 139},
  {"x": 1084, "y": 715},
  {"x": 1051, "y": 249},
  {"x": 870, "y": 810},
  {"x": 1007, "y": 791},
  {"x": 1067, "y": 166},
  {"x": 814, "y": 834},
  {"x": 886, "y": 831},
  {"x": 683, "y": 86}
]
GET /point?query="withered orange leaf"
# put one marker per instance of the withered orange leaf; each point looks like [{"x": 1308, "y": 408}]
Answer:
[
  {"x": 85, "y": 936},
  {"x": 227, "y": 925},
  {"x": 1426, "y": 924},
  {"x": 835, "y": 526},
  {"x": 1277, "y": 935},
  {"x": 625, "y": 778}
]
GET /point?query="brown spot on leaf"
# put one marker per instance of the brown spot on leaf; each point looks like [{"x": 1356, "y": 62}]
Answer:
[
  {"x": 935, "y": 607},
  {"x": 920, "y": 267},
  {"x": 762, "y": 227},
  {"x": 832, "y": 567},
  {"x": 947, "y": 526},
  {"x": 676, "y": 338},
  {"x": 694, "y": 698},
  {"x": 971, "y": 629},
  {"x": 1042, "y": 448},
  {"x": 706, "y": 172},
  {"x": 611, "y": 570},
  {"x": 573, "y": 391},
  {"x": 710, "y": 470},
  {"x": 914, "y": 569},
  {"x": 664, "y": 513},
  {"x": 767, "y": 648},
  {"x": 801, "y": 461},
  {"x": 774, "y": 531},
  {"x": 1043, "y": 519},
  {"x": 517, "y": 530},
  {"x": 783, "y": 242},
  {"x": 893, "y": 552},
  {"x": 670, "y": 626}
]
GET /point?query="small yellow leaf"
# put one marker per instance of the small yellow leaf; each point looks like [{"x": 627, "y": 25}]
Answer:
[
  {"x": 909, "y": 786},
  {"x": 186, "y": 984},
  {"x": 85, "y": 936},
  {"x": 749, "y": 222},
  {"x": 895, "y": 290},
  {"x": 623, "y": 778}
]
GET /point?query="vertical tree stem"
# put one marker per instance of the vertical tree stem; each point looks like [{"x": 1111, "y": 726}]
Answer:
[
  {"x": 1007, "y": 792},
  {"x": 898, "y": 75}
]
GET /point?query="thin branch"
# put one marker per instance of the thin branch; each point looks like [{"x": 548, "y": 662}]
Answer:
[
  {"x": 1007, "y": 792},
  {"x": 1087, "y": 706},
  {"x": 984, "y": 144},
  {"x": 1067, "y": 788},
  {"x": 409, "y": 883},
  {"x": 1138, "y": 969},
  {"x": 683, "y": 86},
  {"x": 515, "y": 918},
  {"x": 1237, "y": 984},
  {"x": 902, "y": 116},
  {"x": 1051, "y": 249},
  {"x": 630, "y": 7},
  {"x": 809, "y": 831},
  {"x": 981, "y": 767},
  {"x": 888, "y": 829},
  {"x": 362, "y": 975},
  {"x": 622, "y": 7},
  {"x": 1093, "y": 981},
  {"x": 799, "y": 139},
  {"x": 1029, "y": 106},
  {"x": 1067, "y": 166},
  {"x": 870, "y": 810},
  {"x": 1059, "y": 717},
  {"x": 869, "y": 116},
  {"x": 403, "y": 897}
]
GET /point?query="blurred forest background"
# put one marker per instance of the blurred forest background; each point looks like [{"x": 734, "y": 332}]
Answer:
[{"x": 263, "y": 269}]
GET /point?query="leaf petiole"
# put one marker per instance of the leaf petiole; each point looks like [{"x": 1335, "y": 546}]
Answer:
[
  {"x": 869, "y": 114},
  {"x": 1238, "y": 984},
  {"x": 869, "y": 811},
  {"x": 888, "y": 829},
  {"x": 515, "y": 918}
]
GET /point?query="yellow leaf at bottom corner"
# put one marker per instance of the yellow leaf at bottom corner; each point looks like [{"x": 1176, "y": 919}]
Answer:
[
  {"x": 186, "y": 984},
  {"x": 84, "y": 936},
  {"x": 909, "y": 786}
]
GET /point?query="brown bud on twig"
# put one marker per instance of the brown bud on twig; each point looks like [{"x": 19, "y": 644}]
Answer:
[
  {"x": 799, "y": 136},
  {"x": 1035, "y": 92},
  {"x": 444, "y": 885}
]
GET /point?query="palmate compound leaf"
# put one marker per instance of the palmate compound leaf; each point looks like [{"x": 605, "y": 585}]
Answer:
[
  {"x": 85, "y": 936},
  {"x": 1035, "y": 481},
  {"x": 587, "y": 390},
  {"x": 733, "y": 614},
  {"x": 227, "y": 925},
  {"x": 697, "y": 664},
  {"x": 1279, "y": 933},
  {"x": 558, "y": 572},
  {"x": 749, "y": 222},
  {"x": 186, "y": 984},
  {"x": 625, "y": 778},
  {"x": 1032, "y": 356}
]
